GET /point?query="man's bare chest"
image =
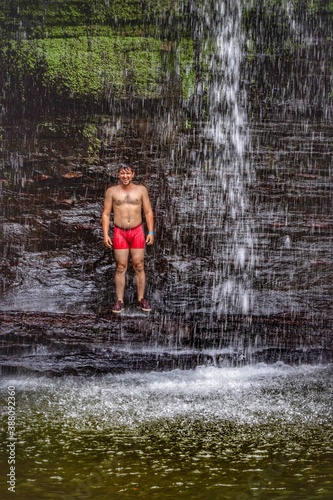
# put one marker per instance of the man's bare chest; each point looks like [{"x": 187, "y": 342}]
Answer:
[{"x": 132, "y": 199}]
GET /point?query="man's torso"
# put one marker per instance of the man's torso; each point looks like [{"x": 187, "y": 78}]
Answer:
[{"x": 127, "y": 206}]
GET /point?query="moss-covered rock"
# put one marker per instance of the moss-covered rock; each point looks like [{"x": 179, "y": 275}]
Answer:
[
  {"x": 88, "y": 51},
  {"x": 104, "y": 66}
]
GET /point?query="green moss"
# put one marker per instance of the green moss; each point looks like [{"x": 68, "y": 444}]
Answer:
[
  {"x": 86, "y": 49},
  {"x": 87, "y": 66},
  {"x": 89, "y": 133},
  {"x": 91, "y": 67},
  {"x": 89, "y": 49},
  {"x": 187, "y": 67},
  {"x": 38, "y": 16}
]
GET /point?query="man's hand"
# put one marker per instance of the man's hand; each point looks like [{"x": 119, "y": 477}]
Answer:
[
  {"x": 150, "y": 239},
  {"x": 108, "y": 242}
]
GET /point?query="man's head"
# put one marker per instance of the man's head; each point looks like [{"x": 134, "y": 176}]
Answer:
[
  {"x": 125, "y": 173},
  {"x": 125, "y": 167}
]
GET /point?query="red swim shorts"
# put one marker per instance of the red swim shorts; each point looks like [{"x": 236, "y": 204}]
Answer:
[{"x": 128, "y": 238}]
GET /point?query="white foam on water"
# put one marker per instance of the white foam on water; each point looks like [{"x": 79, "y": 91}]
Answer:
[{"x": 250, "y": 394}]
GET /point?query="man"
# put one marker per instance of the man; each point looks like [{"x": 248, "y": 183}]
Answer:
[{"x": 127, "y": 201}]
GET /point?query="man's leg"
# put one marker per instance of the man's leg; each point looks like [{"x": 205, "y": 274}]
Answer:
[
  {"x": 137, "y": 255},
  {"x": 121, "y": 257}
]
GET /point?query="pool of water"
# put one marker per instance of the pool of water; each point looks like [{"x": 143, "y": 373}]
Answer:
[{"x": 262, "y": 431}]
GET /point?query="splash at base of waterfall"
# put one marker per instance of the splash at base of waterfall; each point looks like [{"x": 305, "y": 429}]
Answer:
[{"x": 206, "y": 433}]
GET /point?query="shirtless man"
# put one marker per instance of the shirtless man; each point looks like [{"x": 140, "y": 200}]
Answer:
[{"x": 127, "y": 200}]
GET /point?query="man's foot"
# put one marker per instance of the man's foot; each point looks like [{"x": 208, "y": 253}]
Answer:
[
  {"x": 144, "y": 304},
  {"x": 118, "y": 307}
]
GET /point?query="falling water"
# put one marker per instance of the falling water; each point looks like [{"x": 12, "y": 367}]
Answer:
[
  {"x": 214, "y": 206},
  {"x": 227, "y": 127}
]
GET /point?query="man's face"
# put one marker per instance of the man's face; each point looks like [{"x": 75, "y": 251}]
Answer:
[{"x": 125, "y": 175}]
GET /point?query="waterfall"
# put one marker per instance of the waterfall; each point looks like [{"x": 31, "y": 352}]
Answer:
[
  {"x": 214, "y": 198},
  {"x": 227, "y": 127}
]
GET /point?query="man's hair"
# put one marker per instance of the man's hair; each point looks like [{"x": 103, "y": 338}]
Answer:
[{"x": 125, "y": 166}]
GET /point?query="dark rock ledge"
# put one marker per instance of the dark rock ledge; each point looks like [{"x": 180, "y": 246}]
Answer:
[{"x": 57, "y": 344}]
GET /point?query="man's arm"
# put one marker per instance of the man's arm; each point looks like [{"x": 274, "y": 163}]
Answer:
[
  {"x": 106, "y": 217},
  {"x": 149, "y": 216}
]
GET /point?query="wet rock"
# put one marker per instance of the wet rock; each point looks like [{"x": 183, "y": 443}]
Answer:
[{"x": 58, "y": 344}]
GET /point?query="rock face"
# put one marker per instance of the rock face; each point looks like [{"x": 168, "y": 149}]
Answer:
[
  {"x": 54, "y": 344},
  {"x": 241, "y": 268}
]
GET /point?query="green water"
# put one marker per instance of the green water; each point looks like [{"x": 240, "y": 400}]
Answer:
[{"x": 260, "y": 432}]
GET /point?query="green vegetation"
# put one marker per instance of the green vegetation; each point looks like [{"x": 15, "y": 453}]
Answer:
[
  {"x": 91, "y": 50},
  {"x": 93, "y": 67},
  {"x": 48, "y": 13},
  {"x": 90, "y": 135},
  {"x": 86, "y": 67}
]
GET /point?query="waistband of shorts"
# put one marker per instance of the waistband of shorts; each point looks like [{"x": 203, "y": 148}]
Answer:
[{"x": 128, "y": 228}]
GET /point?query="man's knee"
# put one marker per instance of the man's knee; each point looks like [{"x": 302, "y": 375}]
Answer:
[
  {"x": 121, "y": 268},
  {"x": 139, "y": 266}
]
